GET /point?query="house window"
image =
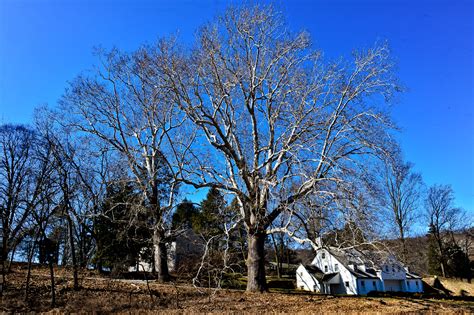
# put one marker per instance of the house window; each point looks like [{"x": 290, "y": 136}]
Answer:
[
  {"x": 323, "y": 255},
  {"x": 393, "y": 268},
  {"x": 398, "y": 268},
  {"x": 336, "y": 267},
  {"x": 346, "y": 283},
  {"x": 325, "y": 268},
  {"x": 362, "y": 283},
  {"x": 416, "y": 282},
  {"x": 374, "y": 284},
  {"x": 386, "y": 268},
  {"x": 408, "y": 283}
]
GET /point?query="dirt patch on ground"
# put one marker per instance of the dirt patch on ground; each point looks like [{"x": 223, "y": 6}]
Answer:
[{"x": 108, "y": 295}]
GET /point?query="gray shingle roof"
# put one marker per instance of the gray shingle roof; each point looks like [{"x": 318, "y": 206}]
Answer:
[
  {"x": 372, "y": 260},
  {"x": 412, "y": 276},
  {"x": 318, "y": 274}
]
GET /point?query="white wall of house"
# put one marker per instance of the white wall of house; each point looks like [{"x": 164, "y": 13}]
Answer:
[
  {"x": 367, "y": 285},
  {"x": 328, "y": 263},
  {"x": 392, "y": 277},
  {"x": 393, "y": 271},
  {"x": 414, "y": 285},
  {"x": 306, "y": 281},
  {"x": 148, "y": 267}
]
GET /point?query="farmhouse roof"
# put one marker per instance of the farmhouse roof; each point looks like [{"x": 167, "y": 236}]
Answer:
[
  {"x": 412, "y": 276},
  {"x": 351, "y": 258},
  {"x": 372, "y": 259},
  {"x": 318, "y": 274}
]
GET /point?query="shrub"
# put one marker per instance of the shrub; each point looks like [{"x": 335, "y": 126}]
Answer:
[
  {"x": 233, "y": 281},
  {"x": 281, "y": 284}
]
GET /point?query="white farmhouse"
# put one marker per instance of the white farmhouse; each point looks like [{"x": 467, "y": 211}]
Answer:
[
  {"x": 349, "y": 271},
  {"x": 184, "y": 247}
]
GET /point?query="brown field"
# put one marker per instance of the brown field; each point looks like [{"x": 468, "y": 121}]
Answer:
[
  {"x": 455, "y": 286},
  {"x": 107, "y": 295}
]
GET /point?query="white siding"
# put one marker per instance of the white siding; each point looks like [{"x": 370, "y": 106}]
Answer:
[
  {"x": 414, "y": 285},
  {"x": 305, "y": 281},
  {"x": 394, "y": 285},
  {"x": 367, "y": 285},
  {"x": 142, "y": 266},
  {"x": 393, "y": 272},
  {"x": 346, "y": 276},
  {"x": 392, "y": 276}
]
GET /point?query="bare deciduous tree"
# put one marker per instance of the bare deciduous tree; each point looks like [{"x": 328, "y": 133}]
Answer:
[
  {"x": 124, "y": 106},
  {"x": 42, "y": 205},
  {"x": 275, "y": 119},
  {"x": 402, "y": 188},
  {"x": 16, "y": 180},
  {"x": 442, "y": 217}
]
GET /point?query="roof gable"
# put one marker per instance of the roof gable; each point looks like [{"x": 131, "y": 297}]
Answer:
[{"x": 364, "y": 263}]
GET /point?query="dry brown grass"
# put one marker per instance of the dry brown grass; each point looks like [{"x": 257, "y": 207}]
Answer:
[
  {"x": 455, "y": 285},
  {"x": 107, "y": 295}
]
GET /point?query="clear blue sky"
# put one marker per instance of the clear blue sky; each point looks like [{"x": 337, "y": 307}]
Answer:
[{"x": 43, "y": 44}]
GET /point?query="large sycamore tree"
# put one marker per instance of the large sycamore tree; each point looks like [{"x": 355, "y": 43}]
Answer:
[{"x": 275, "y": 120}]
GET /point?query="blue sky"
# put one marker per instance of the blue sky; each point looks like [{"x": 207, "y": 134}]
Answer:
[{"x": 43, "y": 44}]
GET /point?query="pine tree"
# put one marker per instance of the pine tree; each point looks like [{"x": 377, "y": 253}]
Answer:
[
  {"x": 121, "y": 233},
  {"x": 186, "y": 216},
  {"x": 457, "y": 261},
  {"x": 211, "y": 215},
  {"x": 433, "y": 253}
]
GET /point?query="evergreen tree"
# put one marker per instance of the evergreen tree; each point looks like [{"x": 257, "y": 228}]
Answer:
[
  {"x": 185, "y": 216},
  {"x": 211, "y": 216},
  {"x": 434, "y": 255},
  {"x": 121, "y": 232},
  {"x": 457, "y": 261}
]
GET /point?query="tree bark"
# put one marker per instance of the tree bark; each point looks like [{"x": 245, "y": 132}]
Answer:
[
  {"x": 3, "y": 258},
  {"x": 160, "y": 256},
  {"x": 404, "y": 246},
  {"x": 3, "y": 278},
  {"x": 441, "y": 253},
  {"x": 256, "y": 281},
  {"x": 443, "y": 272},
  {"x": 53, "y": 289},
  {"x": 277, "y": 257},
  {"x": 73, "y": 252},
  {"x": 12, "y": 256},
  {"x": 28, "y": 274}
]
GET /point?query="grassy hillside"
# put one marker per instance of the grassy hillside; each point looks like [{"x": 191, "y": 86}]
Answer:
[
  {"x": 454, "y": 286},
  {"x": 102, "y": 294}
]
